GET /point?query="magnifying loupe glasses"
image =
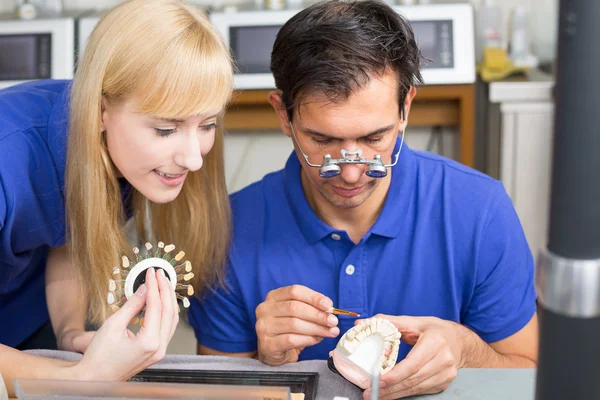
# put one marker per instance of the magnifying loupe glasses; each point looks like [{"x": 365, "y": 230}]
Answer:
[{"x": 331, "y": 166}]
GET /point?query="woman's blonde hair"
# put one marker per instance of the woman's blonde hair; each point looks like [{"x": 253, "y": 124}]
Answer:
[{"x": 170, "y": 55}]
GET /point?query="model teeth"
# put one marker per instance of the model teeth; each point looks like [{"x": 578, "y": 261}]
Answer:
[{"x": 389, "y": 339}]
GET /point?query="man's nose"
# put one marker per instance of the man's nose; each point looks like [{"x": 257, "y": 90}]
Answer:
[{"x": 351, "y": 173}]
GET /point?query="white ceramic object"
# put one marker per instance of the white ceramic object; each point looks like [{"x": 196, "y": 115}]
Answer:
[
  {"x": 373, "y": 343},
  {"x": 142, "y": 266}
]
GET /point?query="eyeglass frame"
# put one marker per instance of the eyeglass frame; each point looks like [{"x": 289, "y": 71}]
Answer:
[{"x": 330, "y": 167}]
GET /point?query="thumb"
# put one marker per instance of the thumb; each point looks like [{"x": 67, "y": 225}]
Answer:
[{"x": 132, "y": 307}]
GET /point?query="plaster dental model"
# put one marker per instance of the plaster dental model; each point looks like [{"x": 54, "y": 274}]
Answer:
[
  {"x": 370, "y": 345},
  {"x": 131, "y": 274}
]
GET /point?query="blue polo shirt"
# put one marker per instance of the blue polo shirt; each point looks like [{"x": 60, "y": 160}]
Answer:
[
  {"x": 33, "y": 127},
  {"x": 448, "y": 243},
  {"x": 33, "y": 146}
]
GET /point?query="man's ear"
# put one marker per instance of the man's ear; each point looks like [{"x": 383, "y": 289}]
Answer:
[
  {"x": 407, "y": 103},
  {"x": 277, "y": 103}
]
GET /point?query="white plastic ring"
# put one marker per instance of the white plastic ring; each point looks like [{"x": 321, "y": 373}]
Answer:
[{"x": 142, "y": 266}]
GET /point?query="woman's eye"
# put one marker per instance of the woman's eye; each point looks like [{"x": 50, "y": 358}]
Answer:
[
  {"x": 209, "y": 127},
  {"x": 164, "y": 132}
]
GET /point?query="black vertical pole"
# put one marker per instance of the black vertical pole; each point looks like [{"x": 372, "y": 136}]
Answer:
[{"x": 568, "y": 272}]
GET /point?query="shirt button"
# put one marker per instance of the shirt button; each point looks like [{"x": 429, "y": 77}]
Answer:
[
  {"x": 350, "y": 269},
  {"x": 335, "y": 236}
]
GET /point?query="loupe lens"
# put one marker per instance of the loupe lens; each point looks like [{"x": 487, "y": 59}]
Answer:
[
  {"x": 377, "y": 172},
  {"x": 330, "y": 173}
]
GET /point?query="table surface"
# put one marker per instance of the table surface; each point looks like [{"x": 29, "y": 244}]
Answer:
[{"x": 470, "y": 384}]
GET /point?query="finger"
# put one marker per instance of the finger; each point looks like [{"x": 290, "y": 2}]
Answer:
[
  {"x": 166, "y": 321},
  {"x": 419, "y": 356},
  {"x": 284, "y": 343},
  {"x": 432, "y": 385},
  {"x": 152, "y": 315},
  {"x": 298, "y": 309},
  {"x": 432, "y": 368},
  {"x": 279, "y": 326},
  {"x": 132, "y": 307},
  {"x": 405, "y": 324},
  {"x": 175, "y": 314},
  {"x": 301, "y": 293}
]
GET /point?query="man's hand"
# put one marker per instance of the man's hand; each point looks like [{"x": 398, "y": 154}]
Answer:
[
  {"x": 290, "y": 319},
  {"x": 75, "y": 340},
  {"x": 433, "y": 362}
]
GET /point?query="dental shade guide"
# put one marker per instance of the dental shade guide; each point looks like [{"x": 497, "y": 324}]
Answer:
[{"x": 132, "y": 274}]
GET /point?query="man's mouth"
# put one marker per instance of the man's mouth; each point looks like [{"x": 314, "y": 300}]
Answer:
[{"x": 347, "y": 192}]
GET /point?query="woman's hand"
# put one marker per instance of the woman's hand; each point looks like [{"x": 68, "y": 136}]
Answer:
[
  {"x": 75, "y": 340},
  {"x": 115, "y": 353}
]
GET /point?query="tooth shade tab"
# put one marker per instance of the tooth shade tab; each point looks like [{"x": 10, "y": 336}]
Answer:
[
  {"x": 186, "y": 266},
  {"x": 179, "y": 256}
]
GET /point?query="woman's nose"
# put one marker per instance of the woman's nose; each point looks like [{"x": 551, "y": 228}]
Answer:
[{"x": 189, "y": 155}]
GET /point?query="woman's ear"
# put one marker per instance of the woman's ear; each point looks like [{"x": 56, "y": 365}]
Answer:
[{"x": 103, "y": 113}]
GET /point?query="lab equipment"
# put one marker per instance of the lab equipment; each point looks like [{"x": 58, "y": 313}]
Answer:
[{"x": 568, "y": 271}]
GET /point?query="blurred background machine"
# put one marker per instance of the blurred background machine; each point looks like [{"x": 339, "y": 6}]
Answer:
[
  {"x": 568, "y": 271},
  {"x": 36, "y": 49}
]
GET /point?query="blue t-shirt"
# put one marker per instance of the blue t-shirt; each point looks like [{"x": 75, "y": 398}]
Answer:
[
  {"x": 33, "y": 144},
  {"x": 448, "y": 243}
]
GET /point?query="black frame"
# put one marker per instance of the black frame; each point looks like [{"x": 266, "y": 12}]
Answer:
[{"x": 298, "y": 382}]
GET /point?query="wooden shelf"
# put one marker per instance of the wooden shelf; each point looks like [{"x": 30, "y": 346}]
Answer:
[{"x": 439, "y": 105}]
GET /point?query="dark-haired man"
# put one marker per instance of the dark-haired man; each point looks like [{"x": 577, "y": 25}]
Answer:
[{"x": 358, "y": 219}]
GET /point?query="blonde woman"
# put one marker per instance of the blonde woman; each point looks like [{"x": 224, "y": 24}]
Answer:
[{"x": 135, "y": 134}]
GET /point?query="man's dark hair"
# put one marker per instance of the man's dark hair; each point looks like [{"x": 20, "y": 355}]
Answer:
[{"x": 334, "y": 47}]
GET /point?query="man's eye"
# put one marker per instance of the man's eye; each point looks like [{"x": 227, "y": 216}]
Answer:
[
  {"x": 322, "y": 142},
  {"x": 374, "y": 140}
]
